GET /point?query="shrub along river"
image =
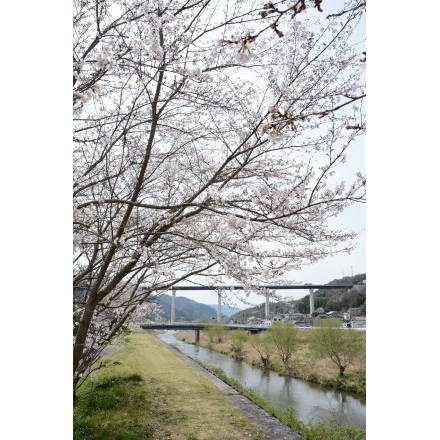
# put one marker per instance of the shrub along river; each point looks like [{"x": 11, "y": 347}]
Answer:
[{"x": 308, "y": 400}]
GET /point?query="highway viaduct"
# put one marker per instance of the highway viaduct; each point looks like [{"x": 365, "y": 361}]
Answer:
[{"x": 219, "y": 290}]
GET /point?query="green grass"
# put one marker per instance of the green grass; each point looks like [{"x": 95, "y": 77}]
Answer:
[
  {"x": 146, "y": 392},
  {"x": 106, "y": 400}
]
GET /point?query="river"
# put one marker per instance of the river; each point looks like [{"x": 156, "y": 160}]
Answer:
[{"x": 308, "y": 400}]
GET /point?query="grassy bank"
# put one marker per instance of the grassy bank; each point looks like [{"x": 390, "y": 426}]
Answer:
[
  {"x": 309, "y": 430},
  {"x": 304, "y": 365},
  {"x": 146, "y": 392}
]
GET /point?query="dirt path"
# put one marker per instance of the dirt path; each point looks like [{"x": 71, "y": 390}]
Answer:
[{"x": 110, "y": 349}]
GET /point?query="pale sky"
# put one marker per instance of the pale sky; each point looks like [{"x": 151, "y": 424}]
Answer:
[{"x": 354, "y": 218}]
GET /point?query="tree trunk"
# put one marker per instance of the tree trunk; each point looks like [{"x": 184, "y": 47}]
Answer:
[{"x": 80, "y": 339}]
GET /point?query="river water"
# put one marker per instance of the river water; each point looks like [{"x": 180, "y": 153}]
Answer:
[{"x": 308, "y": 400}]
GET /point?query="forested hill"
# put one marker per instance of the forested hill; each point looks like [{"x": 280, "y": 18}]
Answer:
[
  {"x": 186, "y": 309},
  {"x": 338, "y": 300},
  {"x": 190, "y": 311}
]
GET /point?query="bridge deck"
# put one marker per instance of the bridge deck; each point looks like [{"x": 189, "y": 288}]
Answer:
[
  {"x": 197, "y": 326},
  {"x": 295, "y": 287}
]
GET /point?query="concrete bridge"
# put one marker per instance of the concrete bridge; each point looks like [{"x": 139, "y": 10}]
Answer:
[
  {"x": 197, "y": 326},
  {"x": 219, "y": 290}
]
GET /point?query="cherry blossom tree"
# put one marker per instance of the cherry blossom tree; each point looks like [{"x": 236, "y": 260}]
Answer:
[{"x": 201, "y": 151}]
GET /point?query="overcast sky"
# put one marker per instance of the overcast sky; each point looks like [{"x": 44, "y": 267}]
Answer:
[{"x": 354, "y": 218}]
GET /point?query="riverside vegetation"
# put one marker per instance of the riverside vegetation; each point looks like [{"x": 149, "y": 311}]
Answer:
[
  {"x": 327, "y": 356},
  {"x": 146, "y": 392}
]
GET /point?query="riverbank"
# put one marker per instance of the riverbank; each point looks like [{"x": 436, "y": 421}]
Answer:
[
  {"x": 151, "y": 391},
  {"x": 304, "y": 366}
]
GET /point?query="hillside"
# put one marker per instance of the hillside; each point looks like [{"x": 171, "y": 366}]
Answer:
[
  {"x": 338, "y": 300},
  {"x": 226, "y": 310},
  {"x": 189, "y": 310},
  {"x": 186, "y": 309}
]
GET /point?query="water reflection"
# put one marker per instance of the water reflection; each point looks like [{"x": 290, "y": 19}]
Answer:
[{"x": 308, "y": 400}]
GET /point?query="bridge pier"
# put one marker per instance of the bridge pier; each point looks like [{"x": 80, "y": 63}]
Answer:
[
  {"x": 312, "y": 302},
  {"x": 267, "y": 315},
  {"x": 173, "y": 306},
  {"x": 219, "y": 306},
  {"x": 197, "y": 338}
]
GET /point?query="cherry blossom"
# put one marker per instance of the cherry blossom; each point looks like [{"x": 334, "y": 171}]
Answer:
[{"x": 205, "y": 147}]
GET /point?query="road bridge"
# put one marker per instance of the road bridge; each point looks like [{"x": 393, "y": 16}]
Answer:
[
  {"x": 219, "y": 289},
  {"x": 197, "y": 326}
]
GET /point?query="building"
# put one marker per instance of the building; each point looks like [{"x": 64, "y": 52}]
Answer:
[{"x": 359, "y": 322}]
